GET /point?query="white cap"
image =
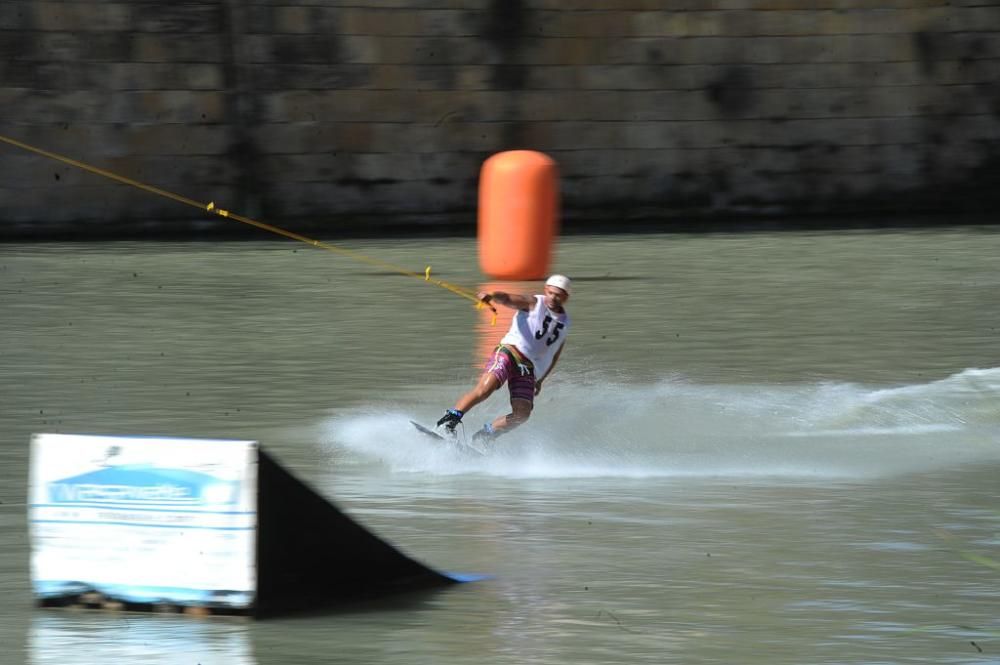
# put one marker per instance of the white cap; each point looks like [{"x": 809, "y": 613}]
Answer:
[{"x": 558, "y": 281}]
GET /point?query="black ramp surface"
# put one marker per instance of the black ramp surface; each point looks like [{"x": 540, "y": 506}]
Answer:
[{"x": 311, "y": 555}]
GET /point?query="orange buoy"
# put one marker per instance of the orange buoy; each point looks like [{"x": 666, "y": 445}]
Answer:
[{"x": 518, "y": 214}]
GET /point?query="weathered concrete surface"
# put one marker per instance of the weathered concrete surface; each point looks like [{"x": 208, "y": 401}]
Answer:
[{"x": 329, "y": 115}]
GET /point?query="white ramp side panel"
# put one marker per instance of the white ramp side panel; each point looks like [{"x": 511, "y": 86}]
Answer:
[{"x": 144, "y": 519}]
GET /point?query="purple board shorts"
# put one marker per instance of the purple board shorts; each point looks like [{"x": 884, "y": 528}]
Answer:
[{"x": 521, "y": 386}]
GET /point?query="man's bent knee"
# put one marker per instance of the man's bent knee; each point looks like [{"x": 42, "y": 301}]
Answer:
[{"x": 520, "y": 411}]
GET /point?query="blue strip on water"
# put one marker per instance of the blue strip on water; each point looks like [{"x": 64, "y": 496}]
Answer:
[{"x": 468, "y": 577}]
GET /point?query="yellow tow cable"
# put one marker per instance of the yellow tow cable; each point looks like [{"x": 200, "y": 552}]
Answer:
[{"x": 212, "y": 208}]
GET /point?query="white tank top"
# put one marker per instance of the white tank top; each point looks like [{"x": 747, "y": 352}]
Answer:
[{"x": 538, "y": 334}]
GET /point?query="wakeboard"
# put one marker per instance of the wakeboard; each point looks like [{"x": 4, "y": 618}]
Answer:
[
  {"x": 459, "y": 445},
  {"x": 424, "y": 430}
]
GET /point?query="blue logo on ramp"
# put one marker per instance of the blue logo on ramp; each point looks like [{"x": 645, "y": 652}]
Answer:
[{"x": 143, "y": 484}]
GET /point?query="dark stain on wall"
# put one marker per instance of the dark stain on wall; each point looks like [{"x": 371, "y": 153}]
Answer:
[
  {"x": 505, "y": 26},
  {"x": 15, "y": 45},
  {"x": 436, "y": 63},
  {"x": 654, "y": 55},
  {"x": 178, "y": 18},
  {"x": 509, "y": 77},
  {"x": 927, "y": 46},
  {"x": 718, "y": 180},
  {"x": 16, "y": 16},
  {"x": 306, "y": 49},
  {"x": 310, "y": 77},
  {"x": 731, "y": 92},
  {"x": 365, "y": 184},
  {"x": 242, "y": 114}
]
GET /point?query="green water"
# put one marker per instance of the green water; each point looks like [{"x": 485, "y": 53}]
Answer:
[{"x": 757, "y": 448}]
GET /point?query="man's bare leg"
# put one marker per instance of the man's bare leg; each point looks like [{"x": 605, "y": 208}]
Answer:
[
  {"x": 487, "y": 386},
  {"x": 520, "y": 412}
]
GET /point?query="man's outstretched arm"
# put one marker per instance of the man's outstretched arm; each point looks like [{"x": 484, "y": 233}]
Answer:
[{"x": 512, "y": 300}]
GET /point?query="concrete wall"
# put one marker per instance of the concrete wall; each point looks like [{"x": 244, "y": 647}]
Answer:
[{"x": 343, "y": 112}]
